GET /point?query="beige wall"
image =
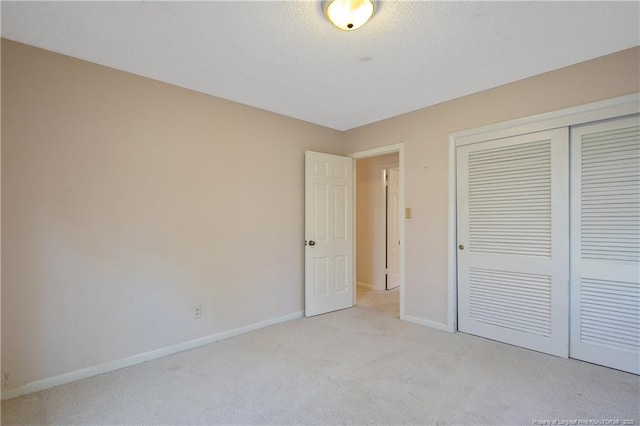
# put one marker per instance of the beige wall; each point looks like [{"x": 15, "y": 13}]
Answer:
[
  {"x": 370, "y": 219},
  {"x": 425, "y": 136},
  {"x": 126, "y": 201}
]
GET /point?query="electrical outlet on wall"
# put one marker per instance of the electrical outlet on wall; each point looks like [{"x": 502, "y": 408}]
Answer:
[{"x": 197, "y": 311}]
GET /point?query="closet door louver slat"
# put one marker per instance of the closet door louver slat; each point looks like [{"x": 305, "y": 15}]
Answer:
[{"x": 494, "y": 174}]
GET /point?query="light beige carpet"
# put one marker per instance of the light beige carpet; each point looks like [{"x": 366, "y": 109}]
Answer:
[{"x": 356, "y": 366}]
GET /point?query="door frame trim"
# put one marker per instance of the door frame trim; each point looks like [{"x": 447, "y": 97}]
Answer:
[
  {"x": 389, "y": 149},
  {"x": 581, "y": 114}
]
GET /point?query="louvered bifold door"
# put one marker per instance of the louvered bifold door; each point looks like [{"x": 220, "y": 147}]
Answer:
[
  {"x": 605, "y": 246},
  {"x": 513, "y": 240}
]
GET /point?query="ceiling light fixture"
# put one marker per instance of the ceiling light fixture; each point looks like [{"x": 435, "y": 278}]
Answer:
[{"x": 348, "y": 15}]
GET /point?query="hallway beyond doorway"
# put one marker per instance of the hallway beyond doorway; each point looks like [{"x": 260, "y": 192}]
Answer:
[{"x": 383, "y": 301}]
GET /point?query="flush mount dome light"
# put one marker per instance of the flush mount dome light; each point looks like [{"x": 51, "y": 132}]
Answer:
[{"x": 348, "y": 15}]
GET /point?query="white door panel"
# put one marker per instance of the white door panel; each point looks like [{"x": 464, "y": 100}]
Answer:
[
  {"x": 605, "y": 266},
  {"x": 513, "y": 240},
  {"x": 328, "y": 233},
  {"x": 393, "y": 229}
]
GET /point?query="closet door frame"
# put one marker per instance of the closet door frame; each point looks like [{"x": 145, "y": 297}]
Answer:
[{"x": 611, "y": 108}]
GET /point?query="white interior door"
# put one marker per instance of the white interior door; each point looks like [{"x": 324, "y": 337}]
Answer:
[
  {"x": 513, "y": 264},
  {"x": 328, "y": 233},
  {"x": 393, "y": 228},
  {"x": 605, "y": 232}
]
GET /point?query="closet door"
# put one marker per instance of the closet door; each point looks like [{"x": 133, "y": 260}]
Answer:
[
  {"x": 513, "y": 240},
  {"x": 605, "y": 246}
]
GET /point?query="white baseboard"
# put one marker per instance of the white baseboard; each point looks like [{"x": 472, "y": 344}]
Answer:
[
  {"x": 427, "y": 323},
  {"x": 140, "y": 358},
  {"x": 366, "y": 285}
]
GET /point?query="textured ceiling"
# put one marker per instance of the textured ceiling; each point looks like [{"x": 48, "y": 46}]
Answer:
[{"x": 283, "y": 56}]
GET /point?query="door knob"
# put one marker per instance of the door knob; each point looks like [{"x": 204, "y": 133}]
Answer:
[
  {"x": 461, "y": 247},
  {"x": 312, "y": 243}
]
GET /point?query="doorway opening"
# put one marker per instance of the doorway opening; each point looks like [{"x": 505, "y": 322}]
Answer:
[{"x": 379, "y": 227}]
